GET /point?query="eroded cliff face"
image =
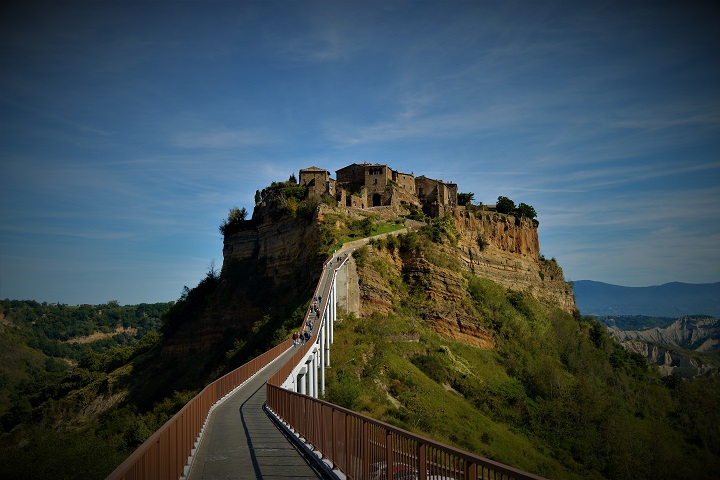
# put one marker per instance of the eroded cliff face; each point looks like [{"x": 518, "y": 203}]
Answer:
[
  {"x": 507, "y": 251},
  {"x": 491, "y": 246},
  {"x": 273, "y": 255},
  {"x": 262, "y": 261},
  {"x": 686, "y": 332},
  {"x": 498, "y": 247},
  {"x": 285, "y": 247},
  {"x": 669, "y": 362}
]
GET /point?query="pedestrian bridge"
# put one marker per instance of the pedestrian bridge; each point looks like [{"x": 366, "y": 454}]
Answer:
[{"x": 266, "y": 420}]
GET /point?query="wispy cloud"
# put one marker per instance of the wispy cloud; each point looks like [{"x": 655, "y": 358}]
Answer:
[
  {"x": 649, "y": 210},
  {"x": 222, "y": 139}
]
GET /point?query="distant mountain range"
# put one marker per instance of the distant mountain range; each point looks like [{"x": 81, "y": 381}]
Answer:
[{"x": 673, "y": 299}]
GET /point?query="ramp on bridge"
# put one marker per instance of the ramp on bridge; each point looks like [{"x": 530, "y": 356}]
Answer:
[{"x": 242, "y": 442}]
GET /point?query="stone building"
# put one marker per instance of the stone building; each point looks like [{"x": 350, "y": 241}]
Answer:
[
  {"x": 375, "y": 185},
  {"x": 317, "y": 180},
  {"x": 366, "y": 185},
  {"x": 436, "y": 195}
]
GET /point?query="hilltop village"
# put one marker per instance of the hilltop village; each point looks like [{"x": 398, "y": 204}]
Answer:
[{"x": 367, "y": 185}]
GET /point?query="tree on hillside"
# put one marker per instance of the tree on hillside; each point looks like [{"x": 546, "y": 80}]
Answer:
[
  {"x": 465, "y": 198},
  {"x": 236, "y": 216},
  {"x": 292, "y": 178},
  {"x": 505, "y": 205},
  {"x": 525, "y": 210}
]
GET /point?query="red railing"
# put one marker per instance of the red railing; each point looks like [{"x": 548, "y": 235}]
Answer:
[
  {"x": 164, "y": 455},
  {"x": 362, "y": 448}
]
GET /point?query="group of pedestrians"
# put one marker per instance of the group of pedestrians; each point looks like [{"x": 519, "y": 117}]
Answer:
[
  {"x": 299, "y": 338},
  {"x": 339, "y": 259}
]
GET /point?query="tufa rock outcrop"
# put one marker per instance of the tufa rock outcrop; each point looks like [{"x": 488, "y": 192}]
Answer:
[
  {"x": 500, "y": 248},
  {"x": 266, "y": 263},
  {"x": 270, "y": 255},
  {"x": 506, "y": 250}
]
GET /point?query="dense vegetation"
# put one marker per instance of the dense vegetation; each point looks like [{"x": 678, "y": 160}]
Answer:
[
  {"x": 55, "y": 357},
  {"x": 556, "y": 396},
  {"x": 507, "y": 206}
]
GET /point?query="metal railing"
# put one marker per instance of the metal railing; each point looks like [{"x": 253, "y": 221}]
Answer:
[
  {"x": 364, "y": 448},
  {"x": 165, "y": 454}
]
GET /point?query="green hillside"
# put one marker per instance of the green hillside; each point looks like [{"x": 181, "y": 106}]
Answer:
[
  {"x": 556, "y": 396},
  {"x": 57, "y": 362},
  {"x": 77, "y": 410}
]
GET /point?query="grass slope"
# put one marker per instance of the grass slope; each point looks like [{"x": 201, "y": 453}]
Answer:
[{"x": 556, "y": 397}]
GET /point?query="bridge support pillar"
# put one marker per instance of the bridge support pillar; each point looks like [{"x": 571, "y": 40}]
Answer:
[
  {"x": 322, "y": 353},
  {"x": 302, "y": 381},
  {"x": 326, "y": 342},
  {"x": 333, "y": 303},
  {"x": 312, "y": 377}
]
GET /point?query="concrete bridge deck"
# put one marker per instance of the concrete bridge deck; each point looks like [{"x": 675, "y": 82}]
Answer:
[{"x": 242, "y": 442}]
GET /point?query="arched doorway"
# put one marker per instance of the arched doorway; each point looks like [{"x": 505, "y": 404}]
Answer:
[{"x": 376, "y": 200}]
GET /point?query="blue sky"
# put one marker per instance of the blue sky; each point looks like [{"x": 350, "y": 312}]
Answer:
[{"x": 129, "y": 129}]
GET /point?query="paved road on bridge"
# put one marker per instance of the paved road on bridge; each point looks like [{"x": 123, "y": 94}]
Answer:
[
  {"x": 240, "y": 439},
  {"x": 242, "y": 442}
]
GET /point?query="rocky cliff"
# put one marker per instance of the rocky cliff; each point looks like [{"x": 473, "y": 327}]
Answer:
[
  {"x": 493, "y": 246},
  {"x": 267, "y": 264},
  {"x": 506, "y": 250},
  {"x": 286, "y": 247},
  {"x": 691, "y": 334},
  {"x": 694, "y": 333},
  {"x": 281, "y": 256},
  {"x": 668, "y": 361}
]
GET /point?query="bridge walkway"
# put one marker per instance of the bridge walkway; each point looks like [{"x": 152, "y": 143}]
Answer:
[{"x": 242, "y": 442}]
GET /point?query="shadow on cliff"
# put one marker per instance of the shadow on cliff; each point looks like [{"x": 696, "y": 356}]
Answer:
[{"x": 222, "y": 323}]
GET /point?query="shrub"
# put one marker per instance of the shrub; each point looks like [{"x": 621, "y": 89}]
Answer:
[
  {"x": 410, "y": 242},
  {"x": 505, "y": 205},
  {"x": 234, "y": 222},
  {"x": 525, "y": 210},
  {"x": 360, "y": 255},
  {"x": 482, "y": 242},
  {"x": 442, "y": 228},
  {"x": 344, "y": 392},
  {"x": 306, "y": 208}
]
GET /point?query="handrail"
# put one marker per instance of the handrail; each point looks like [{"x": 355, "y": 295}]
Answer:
[
  {"x": 362, "y": 447},
  {"x": 165, "y": 454}
]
